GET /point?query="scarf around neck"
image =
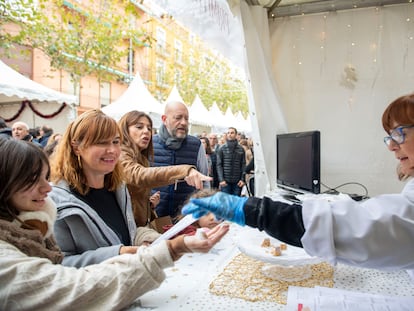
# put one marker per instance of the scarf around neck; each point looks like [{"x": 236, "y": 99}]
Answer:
[
  {"x": 171, "y": 142},
  {"x": 232, "y": 144},
  {"x": 34, "y": 236}
]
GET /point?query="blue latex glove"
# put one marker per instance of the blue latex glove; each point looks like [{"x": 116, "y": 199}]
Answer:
[{"x": 223, "y": 205}]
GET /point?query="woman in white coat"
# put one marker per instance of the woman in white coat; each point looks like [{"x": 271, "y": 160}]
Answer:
[{"x": 375, "y": 233}]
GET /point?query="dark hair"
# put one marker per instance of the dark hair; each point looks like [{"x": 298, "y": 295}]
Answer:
[
  {"x": 2, "y": 123},
  {"x": 34, "y": 132},
  {"x": 21, "y": 166},
  {"x": 47, "y": 130},
  {"x": 208, "y": 148},
  {"x": 233, "y": 128},
  {"x": 132, "y": 118}
]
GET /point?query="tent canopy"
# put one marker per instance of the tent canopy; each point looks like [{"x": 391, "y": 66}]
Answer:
[
  {"x": 174, "y": 95},
  {"x": 199, "y": 114},
  {"x": 15, "y": 87},
  {"x": 136, "y": 97}
]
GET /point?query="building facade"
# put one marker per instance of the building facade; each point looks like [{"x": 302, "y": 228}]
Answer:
[{"x": 174, "y": 56}]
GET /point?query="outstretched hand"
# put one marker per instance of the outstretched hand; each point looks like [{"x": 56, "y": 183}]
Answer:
[
  {"x": 195, "y": 244},
  {"x": 188, "y": 244},
  {"x": 223, "y": 205},
  {"x": 196, "y": 179}
]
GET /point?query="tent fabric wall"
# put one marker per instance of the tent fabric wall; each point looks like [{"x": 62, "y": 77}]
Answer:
[
  {"x": 337, "y": 72},
  {"x": 58, "y": 123},
  {"x": 266, "y": 114}
]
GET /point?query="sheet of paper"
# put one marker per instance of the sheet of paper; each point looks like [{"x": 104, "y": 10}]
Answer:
[
  {"x": 326, "y": 299},
  {"x": 179, "y": 226}
]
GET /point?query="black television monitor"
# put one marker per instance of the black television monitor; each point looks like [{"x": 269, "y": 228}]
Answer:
[{"x": 298, "y": 161}]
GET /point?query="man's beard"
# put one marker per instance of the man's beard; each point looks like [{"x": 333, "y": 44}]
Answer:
[{"x": 173, "y": 133}]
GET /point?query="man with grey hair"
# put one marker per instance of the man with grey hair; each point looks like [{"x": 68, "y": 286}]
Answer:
[
  {"x": 20, "y": 131},
  {"x": 173, "y": 146}
]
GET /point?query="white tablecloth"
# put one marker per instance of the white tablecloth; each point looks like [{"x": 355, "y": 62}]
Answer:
[{"x": 187, "y": 284}]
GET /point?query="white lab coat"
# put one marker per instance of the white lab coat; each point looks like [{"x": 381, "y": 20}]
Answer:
[{"x": 376, "y": 233}]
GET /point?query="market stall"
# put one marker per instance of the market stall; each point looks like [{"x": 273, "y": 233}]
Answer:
[{"x": 22, "y": 99}]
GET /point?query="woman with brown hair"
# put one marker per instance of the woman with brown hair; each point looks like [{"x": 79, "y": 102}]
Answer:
[
  {"x": 95, "y": 219},
  {"x": 31, "y": 276},
  {"x": 137, "y": 152}
]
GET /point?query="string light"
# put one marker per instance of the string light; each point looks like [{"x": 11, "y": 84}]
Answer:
[
  {"x": 374, "y": 46},
  {"x": 323, "y": 43}
]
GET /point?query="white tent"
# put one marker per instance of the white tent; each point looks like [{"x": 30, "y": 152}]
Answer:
[
  {"x": 219, "y": 122},
  {"x": 242, "y": 123},
  {"x": 199, "y": 114},
  {"x": 200, "y": 120},
  {"x": 46, "y": 106},
  {"x": 14, "y": 87},
  {"x": 174, "y": 95},
  {"x": 231, "y": 119},
  {"x": 136, "y": 97}
]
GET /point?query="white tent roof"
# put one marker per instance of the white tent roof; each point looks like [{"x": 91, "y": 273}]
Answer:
[
  {"x": 174, "y": 95},
  {"x": 244, "y": 123},
  {"x": 199, "y": 114},
  {"x": 136, "y": 97},
  {"x": 230, "y": 118},
  {"x": 217, "y": 116},
  {"x": 14, "y": 87}
]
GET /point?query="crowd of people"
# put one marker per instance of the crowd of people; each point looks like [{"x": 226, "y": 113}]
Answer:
[
  {"x": 88, "y": 199},
  {"x": 77, "y": 221},
  {"x": 42, "y": 136}
]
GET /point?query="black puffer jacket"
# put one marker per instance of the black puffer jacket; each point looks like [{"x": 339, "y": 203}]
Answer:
[{"x": 231, "y": 162}]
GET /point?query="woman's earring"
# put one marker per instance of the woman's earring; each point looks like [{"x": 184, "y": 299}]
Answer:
[{"x": 79, "y": 161}]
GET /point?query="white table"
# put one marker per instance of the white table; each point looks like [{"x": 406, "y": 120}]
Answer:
[{"x": 187, "y": 284}]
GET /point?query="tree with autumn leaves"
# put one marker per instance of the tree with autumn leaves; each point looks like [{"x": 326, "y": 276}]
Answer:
[
  {"x": 93, "y": 38},
  {"x": 82, "y": 40}
]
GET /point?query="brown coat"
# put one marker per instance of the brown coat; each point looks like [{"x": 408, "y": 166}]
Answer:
[{"x": 141, "y": 179}]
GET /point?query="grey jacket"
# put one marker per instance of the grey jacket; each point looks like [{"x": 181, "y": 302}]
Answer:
[{"x": 82, "y": 235}]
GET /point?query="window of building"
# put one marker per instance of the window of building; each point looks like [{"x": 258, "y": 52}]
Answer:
[
  {"x": 131, "y": 60},
  {"x": 178, "y": 51},
  {"x": 105, "y": 94},
  {"x": 161, "y": 38},
  {"x": 207, "y": 61},
  {"x": 73, "y": 86},
  {"x": 191, "y": 38},
  {"x": 160, "y": 72},
  {"x": 191, "y": 59},
  {"x": 177, "y": 76}
]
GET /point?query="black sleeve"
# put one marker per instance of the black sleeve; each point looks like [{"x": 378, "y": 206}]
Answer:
[{"x": 280, "y": 220}]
